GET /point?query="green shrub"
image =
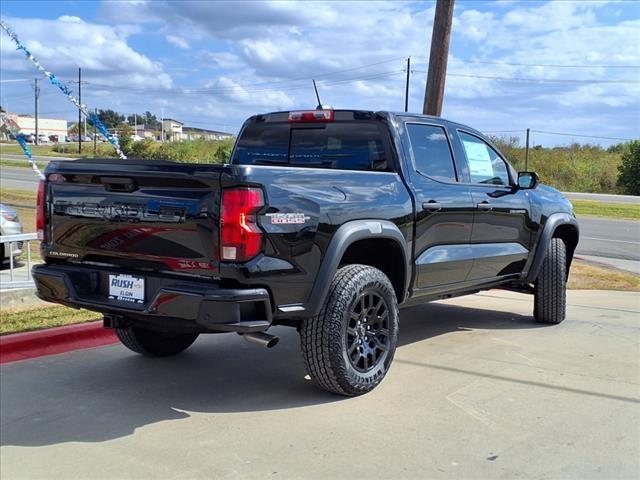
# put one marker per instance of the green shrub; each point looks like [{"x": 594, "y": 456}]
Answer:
[
  {"x": 196, "y": 151},
  {"x": 574, "y": 168},
  {"x": 144, "y": 149},
  {"x": 192, "y": 151},
  {"x": 629, "y": 169}
]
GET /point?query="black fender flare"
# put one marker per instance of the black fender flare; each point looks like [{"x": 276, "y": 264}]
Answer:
[
  {"x": 554, "y": 221},
  {"x": 346, "y": 235}
]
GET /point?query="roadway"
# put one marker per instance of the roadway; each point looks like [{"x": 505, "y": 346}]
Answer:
[
  {"x": 611, "y": 238},
  {"x": 17, "y": 178},
  {"x": 38, "y": 158},
  {"x": 604, "y": 197}
]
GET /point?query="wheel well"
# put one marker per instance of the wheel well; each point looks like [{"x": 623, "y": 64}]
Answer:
[
  {"x": 382, "y": 253},
  {"x": 569, "y": 235}
]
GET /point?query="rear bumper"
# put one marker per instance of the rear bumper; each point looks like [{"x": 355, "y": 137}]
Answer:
[{"x": 172, "y": 304}]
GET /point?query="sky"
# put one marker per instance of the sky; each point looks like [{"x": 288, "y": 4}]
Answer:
[{"x": 557, "y": 66}]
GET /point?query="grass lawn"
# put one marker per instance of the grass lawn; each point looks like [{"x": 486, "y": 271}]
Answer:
[
  {"x": 25, "y": 319},
  {"x": 5, "y": 162},
  {"x": 45, "y": 150},
  {"x": 13, "y": 197},
  {"x": 609, "y": 210}
]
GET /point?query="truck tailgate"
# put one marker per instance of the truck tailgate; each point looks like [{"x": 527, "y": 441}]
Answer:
[{"x": 156, "y": 215}]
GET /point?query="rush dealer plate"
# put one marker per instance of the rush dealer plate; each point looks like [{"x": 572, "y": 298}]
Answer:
[{"x": 126, "y": 288}]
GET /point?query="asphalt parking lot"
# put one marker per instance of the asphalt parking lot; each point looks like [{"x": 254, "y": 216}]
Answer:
[{"x": 477, "y": 390}]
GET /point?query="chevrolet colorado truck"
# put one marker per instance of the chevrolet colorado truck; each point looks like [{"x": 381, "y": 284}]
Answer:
[{"x": 323, "y": 220}]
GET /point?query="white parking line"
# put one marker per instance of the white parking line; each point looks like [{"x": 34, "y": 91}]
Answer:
[{"x": 610, "y": 240}]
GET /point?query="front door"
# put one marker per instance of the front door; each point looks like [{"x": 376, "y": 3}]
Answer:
[
  {"x": 444, "y": 209},
  {"x": 501, "y": 237}
]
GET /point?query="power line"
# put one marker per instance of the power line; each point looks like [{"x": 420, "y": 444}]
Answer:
[
  {"x": 503, "y": 131},
  {"x": 332, "y": 73},
  {"x": 553, "y": 65},
  {"x": 543, "y": 80},
  {"x": 260, "y": 84},
  {"x": 235, "y": 88},
  {"x": 583, "y": 136}
]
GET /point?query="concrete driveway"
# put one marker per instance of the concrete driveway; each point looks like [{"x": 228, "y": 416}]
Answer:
[{"x": 477, "y": 390}]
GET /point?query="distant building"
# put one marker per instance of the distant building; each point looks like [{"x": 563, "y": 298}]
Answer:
[
  {"x": 51, "y": 127},
  {"x": 175, "y": 131},
  {"x": 192, "y": 133},
  {"x": 172, "y": 129},
  {"x": 142, "y": 132}
]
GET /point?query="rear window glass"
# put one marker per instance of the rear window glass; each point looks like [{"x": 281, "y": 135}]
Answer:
[{"x": 340, "y": 145}]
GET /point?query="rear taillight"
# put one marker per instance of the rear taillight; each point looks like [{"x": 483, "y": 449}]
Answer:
[
  {"x": 40, "y": 209},
  {"x": 310, "y": 116},
  {"x": 240, "y": 236}
]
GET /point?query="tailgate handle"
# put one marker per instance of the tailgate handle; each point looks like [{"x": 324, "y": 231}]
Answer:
[{"x": 117, "y": 184}]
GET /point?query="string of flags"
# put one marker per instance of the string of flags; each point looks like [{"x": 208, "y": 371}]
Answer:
[
  {"x": 14, "y": 129},
  {"x": 93, "y": 118}
]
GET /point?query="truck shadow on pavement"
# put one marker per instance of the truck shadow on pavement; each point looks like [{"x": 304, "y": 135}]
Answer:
[{"x": 106, "y": 393}]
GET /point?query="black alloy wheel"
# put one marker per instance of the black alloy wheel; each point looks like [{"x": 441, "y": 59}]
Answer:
[{"x": 368, "y": 331}]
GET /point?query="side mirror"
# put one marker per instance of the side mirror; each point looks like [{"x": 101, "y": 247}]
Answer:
[{"x": 528, "y": 180}]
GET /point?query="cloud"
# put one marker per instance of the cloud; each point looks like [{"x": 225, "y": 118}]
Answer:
[
  {"x": 179, "y": 42},
  {"x": 235, "y": 59},
  {"x": 67, "y": 43},
  {"x": 224, "y": 60}
]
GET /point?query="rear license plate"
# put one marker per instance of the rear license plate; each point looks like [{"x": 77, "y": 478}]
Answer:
[{"x": 126, "y": 288}]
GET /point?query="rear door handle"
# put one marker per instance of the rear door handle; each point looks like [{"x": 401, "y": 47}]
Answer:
[
  {"x": 431, "y": 206},
  {"x": 484, "y": 206}
]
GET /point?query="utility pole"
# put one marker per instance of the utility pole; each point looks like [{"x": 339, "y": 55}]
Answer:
[
  {"x": 162, "y": 123},
  {"x": 406, "y": 88},
  {"x": 440, "y": 37},
  {"x": 526, "y": 154},
  {"x": 95, "y": 135},
  {"x": 80, "y": 111},
  {"x": 36, "y": 91}
]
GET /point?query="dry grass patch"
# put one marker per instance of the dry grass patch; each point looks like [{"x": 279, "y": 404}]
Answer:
[
  {"x": 20, "y": 197},
  {"x": 587, "y": 276}
]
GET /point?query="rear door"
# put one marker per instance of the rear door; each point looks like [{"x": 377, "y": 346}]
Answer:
[
  {"x": 501, "y": 237},
  {"x": 444, "y": 208}
]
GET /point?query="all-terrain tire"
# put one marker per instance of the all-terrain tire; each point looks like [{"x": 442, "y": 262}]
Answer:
[
  {"x": 325, "y": 338},
  {"x": 550, "y": 290},
  {"x": 154, "y": 344}
]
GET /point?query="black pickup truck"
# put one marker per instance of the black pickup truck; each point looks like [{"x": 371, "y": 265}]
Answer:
[{"x": 324, "y": 220}]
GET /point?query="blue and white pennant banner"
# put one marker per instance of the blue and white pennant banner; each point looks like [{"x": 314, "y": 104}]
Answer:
[{"x": 14, "y": 129}]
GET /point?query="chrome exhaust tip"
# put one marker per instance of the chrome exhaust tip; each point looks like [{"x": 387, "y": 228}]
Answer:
[{"x": 262, "y": 339}]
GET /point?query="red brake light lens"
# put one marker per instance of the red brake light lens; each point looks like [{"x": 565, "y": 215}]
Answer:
[
  {"x": 241, "y": 238},
  {"x": 40, "y": 209},
  {"x": 310, "y": 116}
]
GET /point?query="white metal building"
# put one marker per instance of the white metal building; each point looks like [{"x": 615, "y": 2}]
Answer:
[
  {"x": 46, "y": 126},
  {"x": 191, "y": 133}
]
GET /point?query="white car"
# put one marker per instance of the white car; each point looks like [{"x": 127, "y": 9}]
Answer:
[{"x": 9, "y": 225}]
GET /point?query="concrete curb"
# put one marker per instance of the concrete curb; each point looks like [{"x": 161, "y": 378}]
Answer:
[
  {"x": 627, "y": 266},
  {"x": 12, "y": 297},
  {"x": 51, "y": 341}
]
